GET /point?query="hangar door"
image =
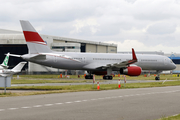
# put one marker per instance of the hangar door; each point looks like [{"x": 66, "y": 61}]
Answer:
[
  {"x": 101, "y": 49},
  {"x": 18, "y": 49}
]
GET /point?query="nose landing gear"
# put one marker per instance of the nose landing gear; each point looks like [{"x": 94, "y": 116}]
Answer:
[{"x": 158, "y": 76}]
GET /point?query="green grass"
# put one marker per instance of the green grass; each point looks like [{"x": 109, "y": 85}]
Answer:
[
  {"x": 35, "y": 79},
  {"x": 76, "y": 88},
  {"x": 26, "y": 81},
  {"x": 177, "y": 117},
  {"x": 103, "y": 86},
  {"x": 51, "y": 76},
  {"x": 151, "y": 77},
  {"x": 56, "y": 77}
]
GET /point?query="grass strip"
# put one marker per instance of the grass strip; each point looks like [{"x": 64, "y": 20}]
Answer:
[
  {"x": 176, "y": 117},
  {"x": 76, "y": 88},
  {"x": 141, "y": 77},
  {"x": 26, "y": 81}
]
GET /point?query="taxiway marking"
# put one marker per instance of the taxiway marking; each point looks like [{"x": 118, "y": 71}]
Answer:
[{"x": 13, "y": 108}]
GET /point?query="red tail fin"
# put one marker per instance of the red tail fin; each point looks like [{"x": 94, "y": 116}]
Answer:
[
  {"x": 33, "y": 37},
  {"x": 34, "y": 41}
]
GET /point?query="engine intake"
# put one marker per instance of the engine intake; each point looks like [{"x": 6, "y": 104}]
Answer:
[{"x": 131, "y": 71}]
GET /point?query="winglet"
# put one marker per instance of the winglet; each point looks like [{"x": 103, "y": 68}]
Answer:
[
  {"x": 134, "y": 55},
  {"x": 134, "y": 58}
]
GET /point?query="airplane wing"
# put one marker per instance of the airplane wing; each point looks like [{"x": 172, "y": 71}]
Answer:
[
  {"x": 95, "y": 66},
  {"x": 125, "y": 63},
  {"x": 116, "y": 65}
]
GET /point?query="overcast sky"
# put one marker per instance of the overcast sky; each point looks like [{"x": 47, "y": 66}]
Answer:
[{"x": 145, "y": 25}]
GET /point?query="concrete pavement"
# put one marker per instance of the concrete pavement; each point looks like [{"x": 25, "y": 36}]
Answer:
[{"x": 122, "y": 104}]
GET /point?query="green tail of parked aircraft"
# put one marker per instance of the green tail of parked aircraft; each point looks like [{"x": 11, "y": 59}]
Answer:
[
  {"x": 9, "y": 72},
  {"x": 4, "y": 64}
]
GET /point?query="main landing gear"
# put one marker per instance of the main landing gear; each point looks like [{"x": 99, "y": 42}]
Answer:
[
  {"x": 89, "y": 76},
  {"x": 158, "y": 76},
  {"x": 107, "y": 77}
]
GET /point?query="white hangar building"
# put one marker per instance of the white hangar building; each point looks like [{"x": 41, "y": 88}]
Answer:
[{"x": 14, "y": 42}]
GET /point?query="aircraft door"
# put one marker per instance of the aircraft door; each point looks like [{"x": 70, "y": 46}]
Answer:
[
  {"x": 55, "y": 58},
  {"x": 84, "y": 59},
  {"x": 165, "y": 61}
]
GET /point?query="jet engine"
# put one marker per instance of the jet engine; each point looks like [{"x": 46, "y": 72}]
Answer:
[{"x": 131, "y": 71}]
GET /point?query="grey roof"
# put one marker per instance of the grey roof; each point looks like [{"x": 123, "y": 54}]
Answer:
[
  {"x": 143, "y": 52},
  {"x": 83, "y": 41},
  {"x": 18, "y": 34},
  {"x": 4, "y": 31}
]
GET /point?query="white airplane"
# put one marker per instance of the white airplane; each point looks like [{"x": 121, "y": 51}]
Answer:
[
  {"x": 94, "y": 63},
  {"x": 5, "y": 62},
  {"x": 9, "y": 72}
]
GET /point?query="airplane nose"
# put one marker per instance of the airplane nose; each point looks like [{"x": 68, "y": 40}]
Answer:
[{"x": 173, "y": 66}]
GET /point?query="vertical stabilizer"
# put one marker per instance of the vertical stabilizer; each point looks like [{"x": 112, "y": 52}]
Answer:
[
  {"x": 5, "y": 62},
  {"x": 34, "y": 41},
  {"x": 18, "y": 67}
]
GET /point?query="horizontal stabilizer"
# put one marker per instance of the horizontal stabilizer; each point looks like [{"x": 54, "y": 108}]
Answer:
[
  {"x": 19, "y": 66},
  {"x": 14, "y": 55},
  {"x": 31, "y": 56},
  {"x": 4, "y": 66}
]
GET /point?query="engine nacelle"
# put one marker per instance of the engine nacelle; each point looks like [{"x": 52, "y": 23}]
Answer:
[{"x": 131, "y": 71}]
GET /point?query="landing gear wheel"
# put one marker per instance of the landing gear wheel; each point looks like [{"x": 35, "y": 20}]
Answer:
[
  {"x": 157, "y": 78},
  {"x": 106, "y": 77},
  {"x": 88, "y": 77}
]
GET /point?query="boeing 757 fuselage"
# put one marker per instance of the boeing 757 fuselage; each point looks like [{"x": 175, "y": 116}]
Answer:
[{"x": 95, "y": 63}]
